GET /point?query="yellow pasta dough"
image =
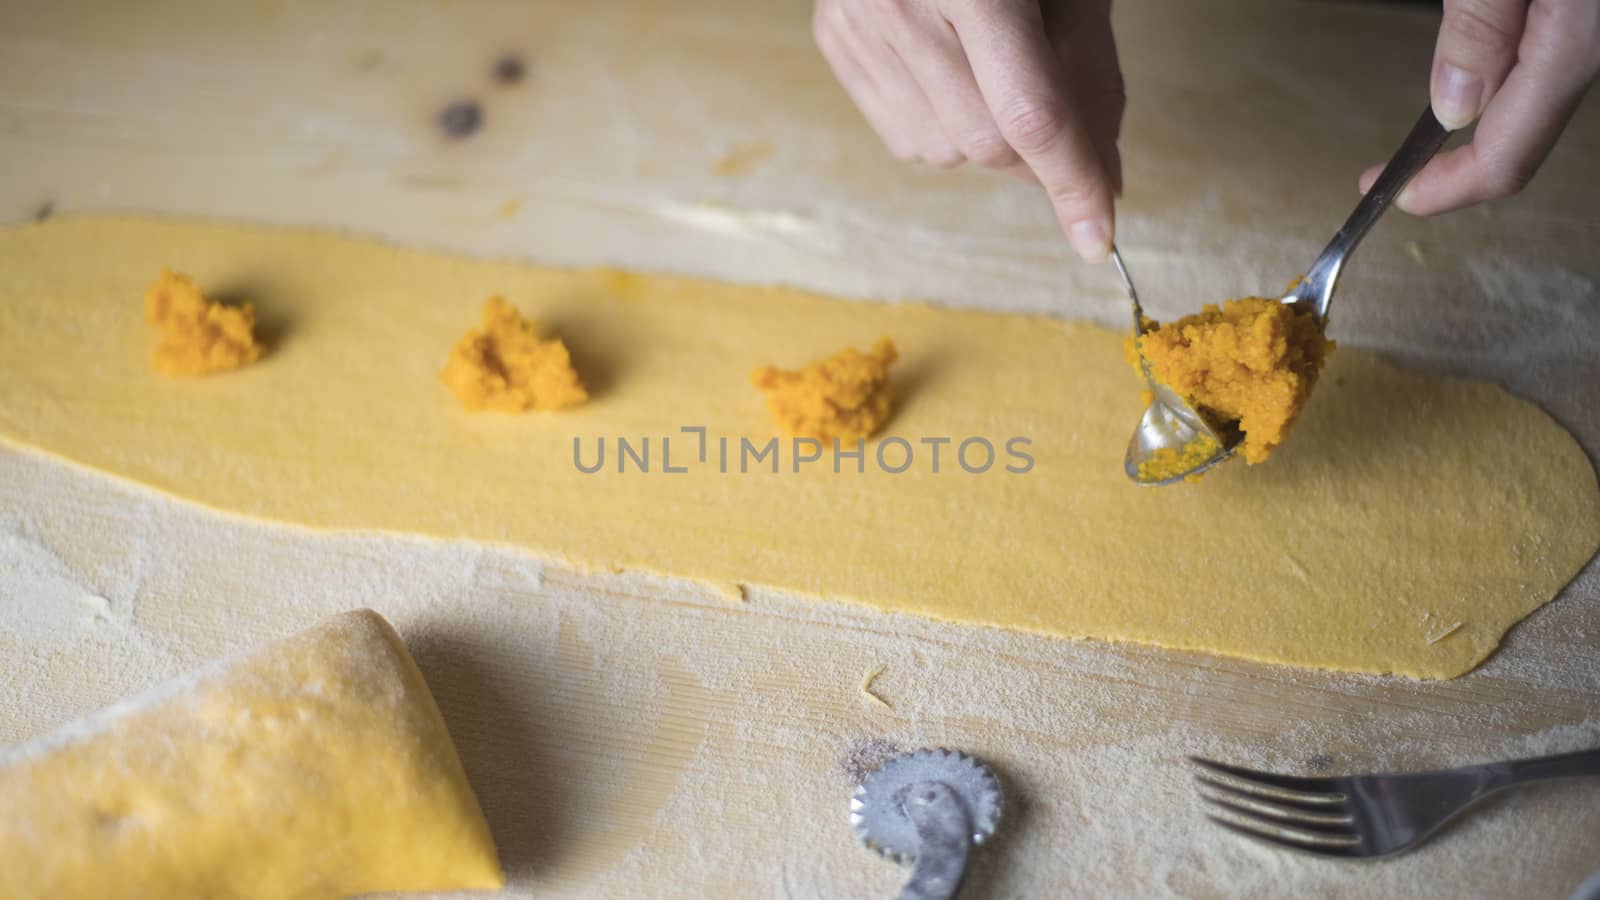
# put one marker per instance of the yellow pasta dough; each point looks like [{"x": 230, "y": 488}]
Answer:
[
  {"x": 1403, "y": 499},
  {"x": 317, "y": 767}
]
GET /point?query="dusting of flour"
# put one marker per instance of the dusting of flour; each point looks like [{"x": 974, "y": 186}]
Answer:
[{"x": 617, "y": 725}]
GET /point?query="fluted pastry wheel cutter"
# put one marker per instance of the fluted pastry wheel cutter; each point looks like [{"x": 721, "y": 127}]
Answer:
[{"x": 928, "y": 808}]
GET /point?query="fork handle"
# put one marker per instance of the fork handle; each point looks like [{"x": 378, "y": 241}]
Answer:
[{"x": 1542, "y": 768}]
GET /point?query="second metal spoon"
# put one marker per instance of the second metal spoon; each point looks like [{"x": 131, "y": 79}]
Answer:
[{"x": 1170, "y": 422}]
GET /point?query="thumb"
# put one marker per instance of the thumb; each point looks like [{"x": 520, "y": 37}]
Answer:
[{"x": 1477, "y": 48}]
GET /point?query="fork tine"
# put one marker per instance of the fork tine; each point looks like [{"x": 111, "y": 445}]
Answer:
[
  {"x": 1237, "y": 785},
  {"x": 1292, "y": 838},
  {"x": 1245, "y": 803},
  {"x": 1319, "y": 791}
]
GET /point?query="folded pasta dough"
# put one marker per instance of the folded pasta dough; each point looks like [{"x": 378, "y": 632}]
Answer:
[{"x": 315, "y": 767}]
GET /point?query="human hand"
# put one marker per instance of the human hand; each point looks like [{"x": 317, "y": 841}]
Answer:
[
  {"x": 1027, "y": 87},
  {"x": 1523, "y": 67}
]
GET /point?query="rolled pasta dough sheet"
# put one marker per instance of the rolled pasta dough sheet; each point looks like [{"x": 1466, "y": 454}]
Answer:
[{"x": 1401, "y": 506}]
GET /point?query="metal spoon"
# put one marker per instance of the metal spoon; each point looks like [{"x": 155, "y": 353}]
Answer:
[{"x": 1170, "y": 422}]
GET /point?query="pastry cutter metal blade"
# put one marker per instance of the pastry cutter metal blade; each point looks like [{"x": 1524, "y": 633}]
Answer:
[{"x": 928, "y": 808}]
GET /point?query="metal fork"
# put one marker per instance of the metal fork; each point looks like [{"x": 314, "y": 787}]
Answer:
[{"x": 1364, "y": 816}]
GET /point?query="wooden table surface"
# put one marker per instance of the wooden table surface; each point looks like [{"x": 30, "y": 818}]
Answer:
[{"x": 636, "y": 736}]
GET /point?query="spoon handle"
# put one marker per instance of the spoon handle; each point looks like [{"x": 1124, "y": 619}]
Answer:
[{"x": 1425, "y": 139}]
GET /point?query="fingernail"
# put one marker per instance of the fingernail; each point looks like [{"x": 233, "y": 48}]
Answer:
[
  {"x": 1090, "y": 239},
  {"x": 1456, "y": 97}
]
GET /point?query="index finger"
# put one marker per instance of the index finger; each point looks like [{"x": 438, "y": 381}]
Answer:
[{"x": 1023, "y": 85}]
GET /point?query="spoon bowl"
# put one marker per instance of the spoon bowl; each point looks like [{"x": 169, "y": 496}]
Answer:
[{"x": 1170, "y": 428}]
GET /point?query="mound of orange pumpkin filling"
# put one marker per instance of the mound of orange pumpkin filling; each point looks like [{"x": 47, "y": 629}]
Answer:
[
  {"x": 198, "y": 336},
  {"x": 1252, "y": 361},
  {"x": 504, "y": 366},
  {"x": 845, "y": 397}
]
